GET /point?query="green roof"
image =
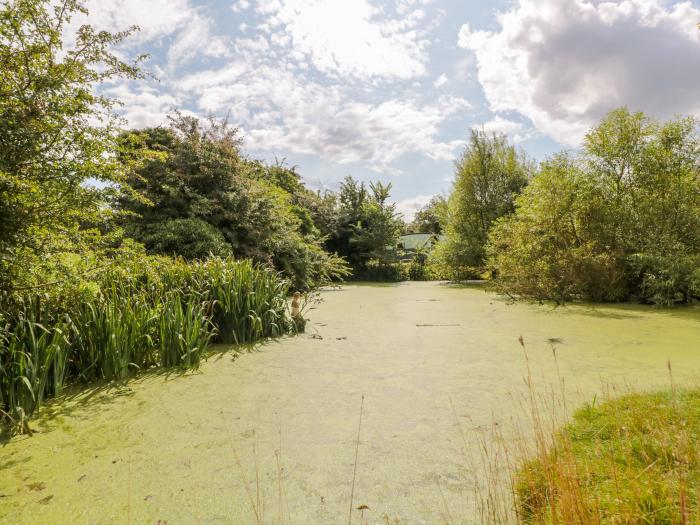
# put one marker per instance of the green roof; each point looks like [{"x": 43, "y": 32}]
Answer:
[{"x": 417, "y": 241}]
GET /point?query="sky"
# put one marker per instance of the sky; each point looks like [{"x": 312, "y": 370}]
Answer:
[{"x": 390, "y": 89}]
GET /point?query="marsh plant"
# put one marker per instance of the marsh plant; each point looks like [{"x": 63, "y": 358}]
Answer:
[
  {"x": 134, "y": 316},
  {"x": 632, "y": 458}
]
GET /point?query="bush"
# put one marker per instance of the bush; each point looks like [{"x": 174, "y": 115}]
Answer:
[
  {"x": 620, "y": 223},
  {"x": 377, "y": 271},
  {"x": 442, "y": 264},
  {"x": 188, "y": 238},
  {"x": 417, "y": 270},
  {"x": 198, "y": 196},
  {"x": 667, "y": 279}
]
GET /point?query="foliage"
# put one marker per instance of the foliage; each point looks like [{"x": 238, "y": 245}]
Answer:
[
  {"x": 417, "y": 270},
  {"x": 248, "y": 302},
  {"x": 431, "y": 217},
  {"x": 385, "y": 272},
  {"x": 620, "y": 222},
  {"x": 629, "y": 460},
  {"x": 204, "y": 197},
  {"x": 136, "y": 314},
  {"x": 368, "y": 227},
  {"x": 188, "y": 238},
  {"x": 489, "y": 176},
  {"x": 56, "y": 135}
]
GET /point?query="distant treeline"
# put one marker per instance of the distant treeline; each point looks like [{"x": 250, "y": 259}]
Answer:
[{"x": 194, "y": 193}]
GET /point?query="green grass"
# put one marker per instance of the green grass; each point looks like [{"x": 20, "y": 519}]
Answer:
[{"x": 632, "y": 460}]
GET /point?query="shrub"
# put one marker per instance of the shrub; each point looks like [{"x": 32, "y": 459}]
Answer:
[
  {"x": 377, "y": 271},
  {"x": 188, "y": 238},
  {"x": 620, "y": 222},
  {"x": 667, "y": 279}
]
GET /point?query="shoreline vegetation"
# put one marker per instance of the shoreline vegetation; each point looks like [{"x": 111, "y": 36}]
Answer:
[
  {"x": 124, "y": 250},
  {"x": 163, "y": 314},
  {"x": 630, "y": 459},
  {"x": 627, "y": 456}
]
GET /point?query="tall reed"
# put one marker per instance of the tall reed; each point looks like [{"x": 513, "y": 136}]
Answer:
[
  {"x": 33, "y": 359},
  {"x": 184, "y": 330},
  {"x": 135, "y": 315},
  {"x": 249, "y": 302}
]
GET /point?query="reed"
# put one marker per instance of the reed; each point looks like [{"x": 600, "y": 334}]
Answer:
[
  {"x": 113, "y": 337},
  {"x": 33, "y": 360},
  {"x": 249, "y": 302},
  {"x": 150, "y": 312},
  {"x": 185, "y": 332}
]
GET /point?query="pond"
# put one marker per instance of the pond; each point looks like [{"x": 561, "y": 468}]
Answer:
[{"x": 273, "y": 433}]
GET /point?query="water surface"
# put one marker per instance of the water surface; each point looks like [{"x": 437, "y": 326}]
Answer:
[{"x": 274, "y": 431}]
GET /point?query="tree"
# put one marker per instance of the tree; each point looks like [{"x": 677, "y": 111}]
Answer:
[
  {"x": 621, "y": 221},
  {"x": 57, "y": 136},
  {"x": 197, "y": 182},
  {"x": 489, "y": 176},
  {"x": 544, "y": 250},
  {"x": 368, "y": 225},
  {"x": 377, "y": 233},
  {"x": 429, "y": 218}
]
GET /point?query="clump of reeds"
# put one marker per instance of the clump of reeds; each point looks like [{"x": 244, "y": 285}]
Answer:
[{"x": 152, "y": 312}]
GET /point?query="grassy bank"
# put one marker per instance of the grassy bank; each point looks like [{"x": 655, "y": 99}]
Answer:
[
  {"x": 631, "y": 460},
  {"x": 132, "y": 316}
]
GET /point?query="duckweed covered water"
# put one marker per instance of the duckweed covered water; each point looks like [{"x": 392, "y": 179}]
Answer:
[{"x": 273, "y": 432}]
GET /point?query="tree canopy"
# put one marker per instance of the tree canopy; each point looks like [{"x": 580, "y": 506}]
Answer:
[
  {"x": 489, "y": 176},
  {"x": 203, "y": 197},
  {"x": 620, "y": 221},
  {"x": 57, "y": 138}
]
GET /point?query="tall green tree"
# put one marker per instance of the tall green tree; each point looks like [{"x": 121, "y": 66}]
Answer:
[
  {"x": 58, "y": 137},
  {"x": 368, "y": 224},
  {"x": 204, "y": 197},
  {"x": 376, "y": 235},
  {"x": 621, "y": 221},
  {"x": 489, "y": 176}
]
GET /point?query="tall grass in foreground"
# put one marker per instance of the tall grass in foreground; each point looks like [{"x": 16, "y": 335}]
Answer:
[
  {"x": 632, "y": 459},
  {"x": 154, "y": 312}
]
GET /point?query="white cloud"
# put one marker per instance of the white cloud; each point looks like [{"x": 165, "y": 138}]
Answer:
[
  {"x": 278, "y": 109},
  {"x": 143, "y": 106},
  {"x": 350, "y": 39},
  {"x": 564, "y": 64},
  {"x": 193, "y": 32},
  {"x": 409, "y": 207},
  {"x": 273, "y": 91},
  {"x": 515, "y": 131},
  {"x": 155, "y": 18},
  {"x": 331, "y": 78},
  {"x": 240, "y": 6},
  {"x": 440, "y": 81}
]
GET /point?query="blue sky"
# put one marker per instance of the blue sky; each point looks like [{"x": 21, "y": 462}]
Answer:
[{"x": 390, "y": 89}]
